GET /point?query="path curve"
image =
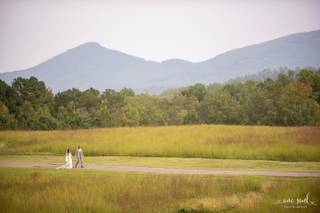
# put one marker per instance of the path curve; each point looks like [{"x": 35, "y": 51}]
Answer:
[{"x": 165, "y": 170}]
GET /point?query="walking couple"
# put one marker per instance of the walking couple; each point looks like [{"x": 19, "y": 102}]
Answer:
[{"x": 79, "y": 155}]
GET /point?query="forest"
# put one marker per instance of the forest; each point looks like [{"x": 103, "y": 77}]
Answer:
[{"x": 292, "y": 99}]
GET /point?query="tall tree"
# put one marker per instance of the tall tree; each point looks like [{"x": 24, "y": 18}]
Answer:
[
  {"x": 198, "y": 90},
  {"x": 7, "y": 120},
  {"x": 311, "y": 77},
  {"x": 296, "y": 105},
  {"x": 32, "y": 90}
]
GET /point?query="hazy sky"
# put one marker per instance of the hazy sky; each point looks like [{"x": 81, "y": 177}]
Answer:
[{"x": 32, "y": 31}]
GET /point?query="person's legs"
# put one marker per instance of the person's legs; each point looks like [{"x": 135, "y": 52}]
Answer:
[
  {"x": 76, "y": 166},
  {"x": 81, "y": 163}
]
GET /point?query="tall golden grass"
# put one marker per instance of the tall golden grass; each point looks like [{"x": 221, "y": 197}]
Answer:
[
  {"x": 31, "y": 190},
  {"x": 204, "y": 141}
]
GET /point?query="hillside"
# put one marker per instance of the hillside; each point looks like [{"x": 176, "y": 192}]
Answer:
[{"x": 91, "y": 65}]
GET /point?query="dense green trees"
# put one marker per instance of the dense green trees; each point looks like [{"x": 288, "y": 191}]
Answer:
[
  {"x": 291, "y": 99},
  {"x": 296, "y": 105},
  {"x": 7, "y": 120},
  {"x": 221, "y": 108},
  {"x": 198, "y": 90}
]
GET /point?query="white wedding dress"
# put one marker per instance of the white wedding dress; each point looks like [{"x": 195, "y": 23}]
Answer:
[{"x": 68, "y": 164}]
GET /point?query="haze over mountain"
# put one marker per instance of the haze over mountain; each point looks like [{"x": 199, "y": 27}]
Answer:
[{"x": 91, "y": 65}]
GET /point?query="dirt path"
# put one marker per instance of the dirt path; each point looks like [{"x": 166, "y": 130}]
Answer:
[{"x": 166, "y": 170}]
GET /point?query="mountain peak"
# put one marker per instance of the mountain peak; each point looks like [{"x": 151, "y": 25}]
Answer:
[
  {"x": 91, "y": 44},
  {"x": 175, "y": 61}
]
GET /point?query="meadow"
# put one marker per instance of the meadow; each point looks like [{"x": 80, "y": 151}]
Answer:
[
  {"x": 194, "y": 141},
  {"x": 217, "y": 147},
  {"x": 97, "y": 191}
]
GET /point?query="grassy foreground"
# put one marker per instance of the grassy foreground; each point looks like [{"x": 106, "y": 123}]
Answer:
[
  {"x": 202, "y": 141},
  {"x": 179, "y": 163},
  {"x": 37, "y": 190}
]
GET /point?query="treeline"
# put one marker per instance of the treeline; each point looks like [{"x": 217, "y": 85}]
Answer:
[{"x": 291, "y": 99}]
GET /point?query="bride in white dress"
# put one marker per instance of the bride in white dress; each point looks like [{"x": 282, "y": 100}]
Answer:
[{"x": 68, "y": 164}]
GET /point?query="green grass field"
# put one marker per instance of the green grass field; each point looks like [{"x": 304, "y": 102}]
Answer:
[
  {"x": 216, "y": 147},
  {"x": 197, "y": 141},
  {"x": 39, "y": 190}
]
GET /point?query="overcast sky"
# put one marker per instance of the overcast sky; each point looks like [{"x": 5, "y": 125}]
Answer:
[{"x": 32, "y": 31}]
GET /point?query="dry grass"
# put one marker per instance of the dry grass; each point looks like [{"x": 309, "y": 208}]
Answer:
[
  {"x": 35, "y": 190},
  {"x": 240, "y": 201},
  {"x": 203, "y": 141}
]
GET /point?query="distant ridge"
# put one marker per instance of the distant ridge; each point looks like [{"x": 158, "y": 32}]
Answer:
[{"x": 92, "y": 65}]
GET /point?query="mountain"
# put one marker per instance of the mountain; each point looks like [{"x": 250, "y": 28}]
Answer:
[
  {"x": 91, "y": 65},
  {"x": 297, "y": 50}
]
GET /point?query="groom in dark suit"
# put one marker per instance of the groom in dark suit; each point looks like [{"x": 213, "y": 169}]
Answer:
[{"x": 80, "y": 156}]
